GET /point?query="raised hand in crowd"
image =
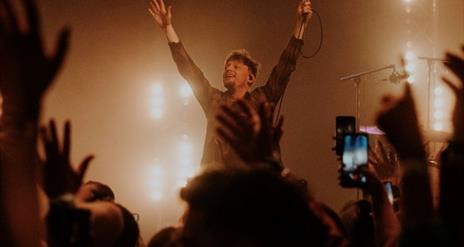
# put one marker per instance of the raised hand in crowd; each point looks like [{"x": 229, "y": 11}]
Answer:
[
  {"x": 456, "y": 65},
  {"x": 452, "y": 158},
  {"x": 27, "y": 69},
  {"x": 251, "y": 133},
  {"x": 416, "y": 202},
  {"x": 59, "y": 176},
  {"x": 405, "y": 137},
  {"x": 387, "y": 227},
  {"x": 384, "y": 160}
]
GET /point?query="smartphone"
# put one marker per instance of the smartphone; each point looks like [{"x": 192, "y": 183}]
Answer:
[
  {"x": 389, "y": 189},
  {"x": 343, "y": 125},
  {"x": 354, "y": 156}
]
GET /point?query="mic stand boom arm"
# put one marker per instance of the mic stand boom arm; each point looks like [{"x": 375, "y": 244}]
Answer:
[{"x": 357, "y": 80}]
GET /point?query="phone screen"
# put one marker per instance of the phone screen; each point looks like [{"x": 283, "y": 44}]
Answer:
[
  {"x": 344, "y": 125},
  {"x": 355, "y": 155}
]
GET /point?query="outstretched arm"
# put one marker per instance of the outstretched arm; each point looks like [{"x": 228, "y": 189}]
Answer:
[
  {"x": 387, "y": 229},
  {"x": 26, "y": 72},
  {"x": 406, "y": 138},
  {"x": 187, "y": 68},
  {"x": 452, "y": 159},
  {"x": 278, "y": 80}
]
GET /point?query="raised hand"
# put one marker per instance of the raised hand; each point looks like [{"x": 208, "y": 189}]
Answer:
[
  {"x": 160, "y": 13},
  {"x": 59, "y": 177},
  {"x": 456, "y": 65},
  {"x": 250, "y": 133},
  {"x": 304, "y": 10},
  {"x": 399, "y": 121},
  {"x": 384, "y": 161},
  {"x": 26, "y": 71}
]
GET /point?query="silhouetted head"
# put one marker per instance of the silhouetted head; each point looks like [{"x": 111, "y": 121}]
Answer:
[
  {"x": 95, "y": 191},
  {"x": 247, "y": 208}
]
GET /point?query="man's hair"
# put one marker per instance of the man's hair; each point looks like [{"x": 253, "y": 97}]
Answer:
[{"x": 244, "y": 56}]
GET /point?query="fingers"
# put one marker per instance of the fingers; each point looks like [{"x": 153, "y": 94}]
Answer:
[
  {"x": 163, "y": 6},
  {"x": 33, "y": 19},
  {"x": 245, "y": 108},
  {"x": 53, "y": 135},
  {"x": 61, "y": 51},
  {"x": 229, "y": 124},
  {"x": 278, "y": 131},
  {"x": 82, "y": 169},
  {"x": 10, "y": 16},
  {"x": 225, "y": 135},
  {"x": 67, "y": 140},
  {"x": 456, "y": 65},
  {"x": 169, "y": 12},
  {"x": 45, "y": 140},
  {"x": 305, "y": 7},
  {"x": 453, "y": 87},
  {"x": 154, "y": 7}
]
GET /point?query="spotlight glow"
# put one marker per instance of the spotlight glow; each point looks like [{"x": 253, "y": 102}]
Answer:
[
  {"x": 185, "y": 90},
  {"x": 438, "y": 91},
  {"x": 157, "y": 101},
  {"x": 438, "y": 115},
  {"x": 438, "y": 126},
  {"x": 410, "y": 68},
  {"x": 157, "y": 195},
  {"x": 409, "y": 56},
  {"x": 438, "y": 103}
]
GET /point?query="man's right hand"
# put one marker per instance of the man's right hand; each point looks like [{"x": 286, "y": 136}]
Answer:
[
  {"x": 162, "y": 16},
  {"x": 160, "y": 13}
]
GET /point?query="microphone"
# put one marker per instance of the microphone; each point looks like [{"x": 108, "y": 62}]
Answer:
[{"x": 396, "y": 77}]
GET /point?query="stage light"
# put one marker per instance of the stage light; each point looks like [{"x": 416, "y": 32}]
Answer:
[
  {"x": 186, "y": 169},
  {"x": 438, "y": 103},
  {"x": 157, "y": 181},
  {"x": 157, "y": 101},
  {"x": 438, "y": 115},
  {"x": 157, "y": 195},
  {"x": 410, "y": 68},
  {"x": 438, "y": 91},
  {"x": 438, "y": 126},
  {"x": 185, "y": 90},
  {"x": 409, "y": 56}
]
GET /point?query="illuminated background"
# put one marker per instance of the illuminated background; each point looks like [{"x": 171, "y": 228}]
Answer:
[{"x": 129, "y": 106}]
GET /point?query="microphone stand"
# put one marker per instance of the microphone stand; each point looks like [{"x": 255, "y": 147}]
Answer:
[
  {"x": 357, "y": 84},
  {"x": 357, "y": 81}
]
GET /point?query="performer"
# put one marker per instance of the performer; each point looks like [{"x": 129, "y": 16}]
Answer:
[{"x": 240, "y": 71}]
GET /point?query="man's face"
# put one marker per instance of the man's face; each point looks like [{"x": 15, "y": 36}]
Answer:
[{"x": 236, "y": 74}]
